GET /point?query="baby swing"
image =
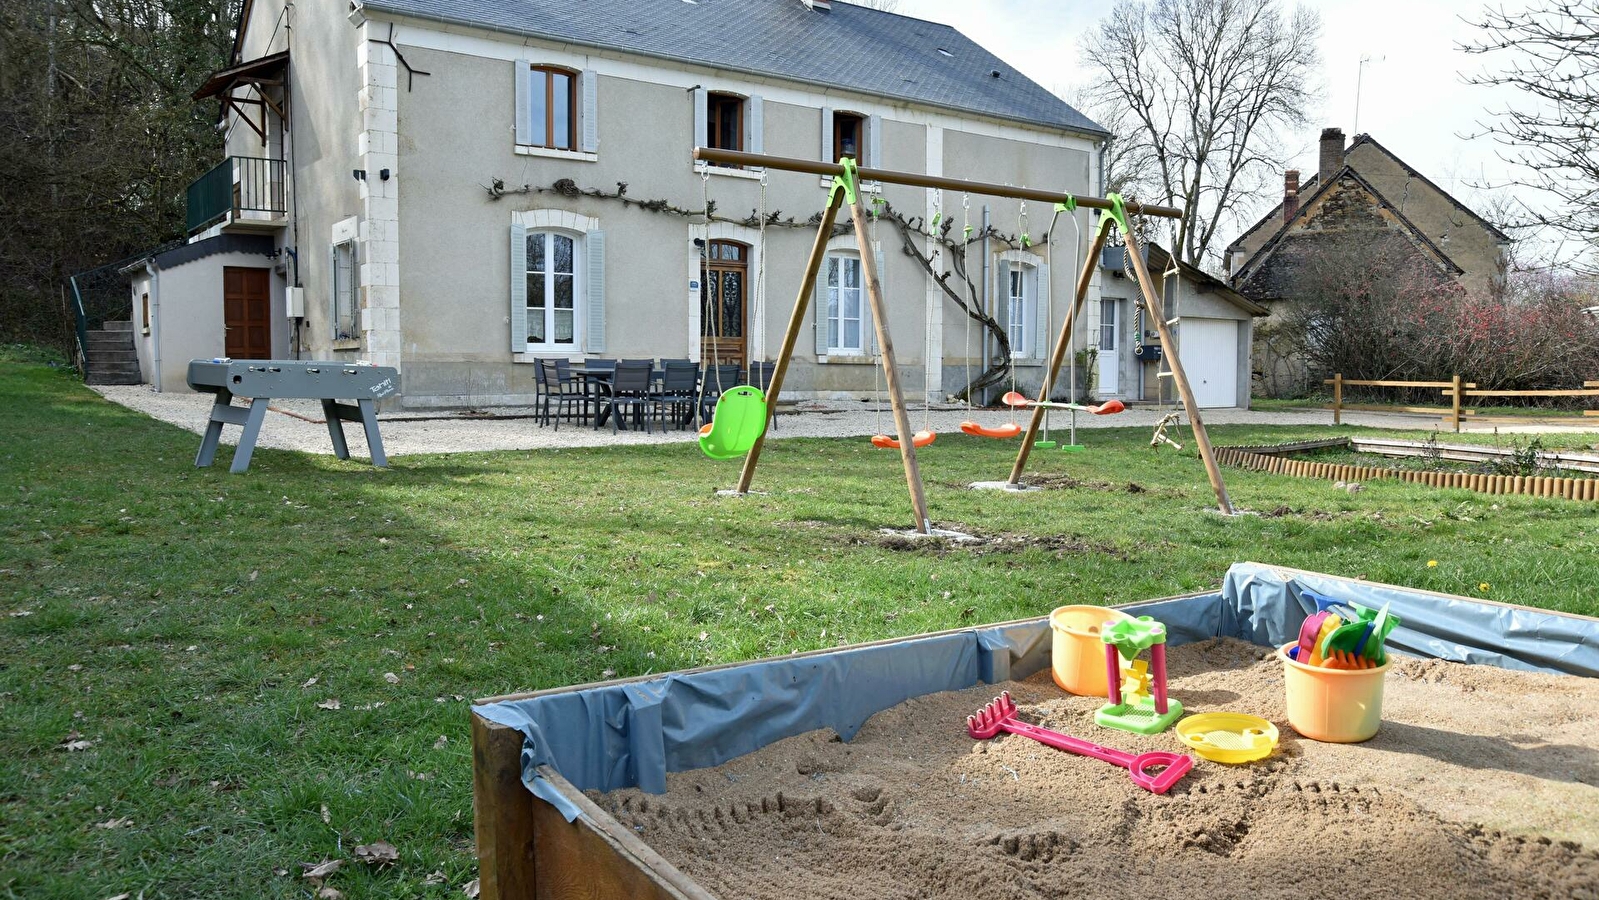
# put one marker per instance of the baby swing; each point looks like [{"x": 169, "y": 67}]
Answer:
[{"x": 739, "y": 419}]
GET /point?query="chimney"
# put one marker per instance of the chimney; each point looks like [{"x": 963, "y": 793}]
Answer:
[
  {"x": 1332, "y": 151},
  {"x": 1290, "y": 195},
  {"x": 819, "y": 5}
]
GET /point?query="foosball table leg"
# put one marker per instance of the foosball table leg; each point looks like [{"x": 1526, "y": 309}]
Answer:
[
  {"x": 252, "y": 430},
  {"x": 374, "y": 440},
  {"x": 213, "y": 435},
  {"x": 330, "y": 411}
]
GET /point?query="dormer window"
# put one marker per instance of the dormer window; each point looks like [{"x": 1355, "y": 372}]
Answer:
[
  {"x": 553, "y": 101},
  {"x": 848, "y": 132},
  {"x": 724, "y": 122}
]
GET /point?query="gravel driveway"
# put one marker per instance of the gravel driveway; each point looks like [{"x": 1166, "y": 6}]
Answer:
[{"x": 298, "y": 425}]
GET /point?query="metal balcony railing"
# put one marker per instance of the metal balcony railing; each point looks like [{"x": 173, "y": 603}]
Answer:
[{"x": 239, "y": 187}]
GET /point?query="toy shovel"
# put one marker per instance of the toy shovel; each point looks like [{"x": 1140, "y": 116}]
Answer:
[{"x": 1000, "y": 715}]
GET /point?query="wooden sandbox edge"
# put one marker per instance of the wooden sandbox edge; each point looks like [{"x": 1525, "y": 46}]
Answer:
[{"x": 526, "y": 849}]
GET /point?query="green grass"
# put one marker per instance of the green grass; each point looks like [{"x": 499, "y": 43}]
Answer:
[{"x": 175, "y": 617}]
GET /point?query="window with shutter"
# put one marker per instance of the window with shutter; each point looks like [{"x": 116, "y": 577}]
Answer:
[{"x": 553, "y": 285}]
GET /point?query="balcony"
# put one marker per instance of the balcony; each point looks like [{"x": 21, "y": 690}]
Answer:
[{"x": 242, "y": 193}]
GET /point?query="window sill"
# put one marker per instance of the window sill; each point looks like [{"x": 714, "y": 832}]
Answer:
[
  {"x": 846, "y": 359},
  {"x": 533, "y": 356},
  {"x": 549, "y": 153},
  {"x": 751, "y": 174},
  {"x": 870, "y": 187},
  {"x": 347, "y": 344}
]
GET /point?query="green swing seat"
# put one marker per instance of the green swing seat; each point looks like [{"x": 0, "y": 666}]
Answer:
[{"x": 735, "y": 426}]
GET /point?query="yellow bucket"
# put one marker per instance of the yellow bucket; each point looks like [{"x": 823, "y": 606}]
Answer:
[
  {"x": 1341, "y": 706},
  {"x": 1078, "y": 655}
]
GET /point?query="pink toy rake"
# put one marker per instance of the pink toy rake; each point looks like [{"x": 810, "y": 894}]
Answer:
[{"x": 1000, "y": 715}]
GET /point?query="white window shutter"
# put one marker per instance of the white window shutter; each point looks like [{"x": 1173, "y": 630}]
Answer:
[
  {"x": 524, "y": 102},
  {"x": 827, "y": 136},
  {"x": 702, "y": 119},
  {"x": 820, "y": 302},
  {"x": 594, "y": 329},
  {"x": 588, "y": 83},
  {"x": 754, "y": 125},
  {"x": 1041, "y": 335},
  {"x": 518, "y": 289},
  {"x": 866, "y": 301},
  {"x": 874, "y": 142}
]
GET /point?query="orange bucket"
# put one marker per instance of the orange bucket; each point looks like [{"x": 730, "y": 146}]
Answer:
[
  {"x": 1077, "y": 655},
  {"x": 1341, "y": 706}
]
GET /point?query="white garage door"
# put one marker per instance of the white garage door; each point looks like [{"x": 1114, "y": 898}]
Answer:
[{"x": 1209, "y": 351}]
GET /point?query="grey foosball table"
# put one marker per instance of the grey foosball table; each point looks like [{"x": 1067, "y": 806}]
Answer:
[{"x": 263, "y": 379}]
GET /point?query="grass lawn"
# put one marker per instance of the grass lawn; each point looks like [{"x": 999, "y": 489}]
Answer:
[{"x": 191, "y": 626}]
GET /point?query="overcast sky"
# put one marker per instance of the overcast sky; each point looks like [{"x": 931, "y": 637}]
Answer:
[{"x": 1413, "y": 99}]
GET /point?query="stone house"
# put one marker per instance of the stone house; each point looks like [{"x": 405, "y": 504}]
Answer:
[
  {"x": 1362, "y": 195},
  {"x": 461, "y": 189}
]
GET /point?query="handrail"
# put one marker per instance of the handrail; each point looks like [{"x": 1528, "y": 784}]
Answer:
[
  {"x": 82, "y": 319},
  {"x": 234, "y": 185}
]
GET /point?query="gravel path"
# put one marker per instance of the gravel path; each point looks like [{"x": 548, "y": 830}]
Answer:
[{"x": 297, "y": 424}]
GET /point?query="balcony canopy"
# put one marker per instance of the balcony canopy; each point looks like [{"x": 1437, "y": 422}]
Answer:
[{"x": 266, "y": 70}]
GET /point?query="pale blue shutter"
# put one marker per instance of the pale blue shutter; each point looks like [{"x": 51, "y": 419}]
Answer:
[
  {"x": 594, "y": 329},
  {"x": 827, "y": 136},
  {"x": 588, "y": 83},
  {"x": 702, "y": 119},
  {"x": 755, "y": 125},
  {"x": 874, "y": 142},
  {"x": 524, "y": 105},
  {"x": 820, "y": 302},
  {"x": 333, "y": 292},
  {"x": 518, "y": 289},
  {"x": 1041, "y": 335},
  {"x": 866, "y": 302},
  {"x": 1002, "y": 294}
]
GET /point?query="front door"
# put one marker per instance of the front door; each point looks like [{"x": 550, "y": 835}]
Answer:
[
  {"x": 247, "y": 312},
  {"x": 723, "y": 303},
  {"x": 1110, "y": 361}
]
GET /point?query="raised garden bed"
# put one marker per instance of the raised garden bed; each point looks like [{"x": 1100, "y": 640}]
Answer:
[
  {"x": 1455, "y": 737},
  {"x": 1471, "y": 468}
]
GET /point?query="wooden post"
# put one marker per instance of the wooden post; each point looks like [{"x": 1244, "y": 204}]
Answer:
[
  {"x": 1454, "y": 402},
  {"x": 1153, "y": 309},
  {"x": 796, "y": 321},
  {"x": 885, "y": 344},
  {"x": 1338, "y": 398},
  {"x": 504, "y": 812},
  {"x": 1062, "y": 343}
]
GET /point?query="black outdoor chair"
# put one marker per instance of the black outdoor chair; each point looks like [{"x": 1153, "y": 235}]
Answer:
[
  {"x": 680, "y": 380},
  {"x": 562, "y": 390},
  {"x": 540, "y": 389},
  {"x": 631, "y": 389},
  {"x": 599, "y": 391},
  {"x": 717, "y": 380},
  {"x": 760, "y": 376}
]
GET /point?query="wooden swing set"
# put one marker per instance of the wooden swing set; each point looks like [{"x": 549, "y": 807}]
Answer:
[{"x": 847, "y": 177}]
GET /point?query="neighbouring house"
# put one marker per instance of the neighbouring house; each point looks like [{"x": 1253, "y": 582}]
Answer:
[
  {"x": 1363, "y": 195},
  {"x": 461, "y": 189},
  {"x": 1212, "y": 323}
]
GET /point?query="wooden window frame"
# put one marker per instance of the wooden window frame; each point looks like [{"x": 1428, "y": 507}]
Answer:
[
  {"x": 549, "y": 106},
  {"x": 715, "y": 104},
  {"x": 145, "y": 314},
  {"x": 860, "y": 136}
]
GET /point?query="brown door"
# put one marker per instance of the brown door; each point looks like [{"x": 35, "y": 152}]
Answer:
[
  {"x": 247, "y": 312},
  {"x": 724, "y": 303}
]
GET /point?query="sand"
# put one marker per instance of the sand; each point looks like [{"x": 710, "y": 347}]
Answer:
[{"x": 1482, "y": 783}]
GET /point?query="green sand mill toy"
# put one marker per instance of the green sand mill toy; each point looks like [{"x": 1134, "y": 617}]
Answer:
[{"x": 1145, "y": 709}]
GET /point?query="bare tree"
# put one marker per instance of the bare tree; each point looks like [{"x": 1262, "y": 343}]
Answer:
[
  {"x": 1208, "y": 87},
  {"x": 1551, "y": 54}
]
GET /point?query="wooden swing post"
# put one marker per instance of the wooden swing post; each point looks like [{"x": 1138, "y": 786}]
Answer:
[
  {"x": 1062, "y": 342},
  {"x": 1154, "y": 309},
  {"x": 796, "y": 321}
]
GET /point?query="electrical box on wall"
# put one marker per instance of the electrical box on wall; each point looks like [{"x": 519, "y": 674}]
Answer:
[{"x": 294, "y": 302}]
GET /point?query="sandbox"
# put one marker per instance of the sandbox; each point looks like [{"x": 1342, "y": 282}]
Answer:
[{"x": 849, "y": 773}]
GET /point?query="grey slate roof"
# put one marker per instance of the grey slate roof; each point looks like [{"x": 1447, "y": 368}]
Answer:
[{"x": 852, "y": 47}]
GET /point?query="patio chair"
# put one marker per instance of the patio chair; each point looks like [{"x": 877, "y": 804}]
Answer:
[
  {"x": 540, "y": 390},
  {"x": 631, "y": 389},
  {"x": 599, "y": 392},
  {"x": 680, "y": 379},
  {"x": 561, "y": 389},
  {"x": 760, "y": 376},
  {"x": 718, "y": 379}
]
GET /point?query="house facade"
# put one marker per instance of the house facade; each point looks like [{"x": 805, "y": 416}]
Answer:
[
  {"x": 1362, "y": 197},
  {"x": 459, "y": 190}
]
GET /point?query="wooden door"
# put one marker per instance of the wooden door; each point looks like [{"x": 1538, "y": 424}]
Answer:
[
  {"x": 724, "y": 303},
  {"x": 247, "y": 312}
]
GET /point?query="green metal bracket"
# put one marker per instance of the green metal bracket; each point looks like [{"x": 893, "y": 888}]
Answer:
[
  {"x": 1118, "y": 211},
  {"x": 848, "y": 182},
  {"x": 1067, "y": 205}
]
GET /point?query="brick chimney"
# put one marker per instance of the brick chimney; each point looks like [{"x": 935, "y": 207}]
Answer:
[
  {"x": 1332, "y": 151},
  {"x": 1290, "y": 195}
]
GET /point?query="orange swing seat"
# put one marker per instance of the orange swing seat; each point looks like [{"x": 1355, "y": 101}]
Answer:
[
  {"x": 999, "y": 432},
  {"x": 919, "y": 439}
]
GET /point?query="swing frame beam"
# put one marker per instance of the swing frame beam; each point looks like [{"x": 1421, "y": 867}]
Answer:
[{"x": 847, "y": 178}]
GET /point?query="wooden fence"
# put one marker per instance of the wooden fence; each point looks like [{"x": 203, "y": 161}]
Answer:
[
  {"x": 1272, "y": 460},
  {"x": 1456, "y": 391}
]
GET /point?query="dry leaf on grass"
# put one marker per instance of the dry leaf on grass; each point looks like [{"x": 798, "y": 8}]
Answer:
[
  {"x": 122, "y": 896},
  {"x": 317, "y": 871},
  {"x": 115, "y": 823},
  {"x": 327, "y": 817},
  {"x": 74, "y": 742},
  {"x": 439, "y": 744},
  {"x": 470, "y": 888},
  {"x": 309, "y": 682},
  {"x": 391, "y": 678},
  {"x": 330, "y": 703},
  {"x": 327, "y": 892},
  {"x": 377, "y": 854},
  {"x": 435, "y": 878}
]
